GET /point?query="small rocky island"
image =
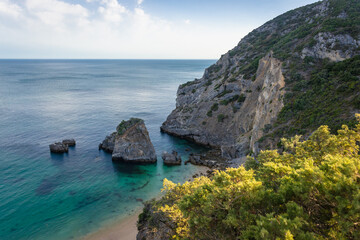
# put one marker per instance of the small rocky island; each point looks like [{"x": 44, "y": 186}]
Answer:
[
  {"x": 130, "y": 143},
  {"x": 62, "y": 147}
]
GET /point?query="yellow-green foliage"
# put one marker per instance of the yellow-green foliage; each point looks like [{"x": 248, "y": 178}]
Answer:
[{"x": 311, "y": 191}]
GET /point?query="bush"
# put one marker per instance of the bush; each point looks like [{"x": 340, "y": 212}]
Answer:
[{"x": 311, "y": 191}]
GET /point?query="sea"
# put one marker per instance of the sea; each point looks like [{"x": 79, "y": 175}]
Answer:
[{"x": 67, "y": 196}]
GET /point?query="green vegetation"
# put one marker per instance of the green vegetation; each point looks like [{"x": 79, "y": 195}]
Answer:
[
  {"x": 125, "y": 125},
  {"x": 327, "y": 97},
  {"x": 221, "y": 117},
  {"x": 292, "y": 32},
  {"x": 214, "y": 107},
  {"x": 239, "y": 98},
  {"x": 214, "y": 68},
  {"x": 223, "y": 93},
  {"x": 310, "y": 191}
]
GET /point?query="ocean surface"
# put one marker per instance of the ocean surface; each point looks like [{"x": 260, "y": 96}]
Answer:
[{"x": 50, "y": 196}]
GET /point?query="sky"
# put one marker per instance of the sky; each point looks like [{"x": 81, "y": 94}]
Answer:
[{"x": 131, "y": 29}]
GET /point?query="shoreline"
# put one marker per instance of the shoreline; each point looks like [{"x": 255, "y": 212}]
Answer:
[{"x": 126, "y": 228}]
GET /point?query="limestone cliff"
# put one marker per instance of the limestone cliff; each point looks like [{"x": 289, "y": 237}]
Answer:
[{"x": 238, "y": 100}]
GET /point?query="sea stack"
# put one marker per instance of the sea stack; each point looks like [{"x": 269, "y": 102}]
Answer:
[{"x": 130, "y": 143}]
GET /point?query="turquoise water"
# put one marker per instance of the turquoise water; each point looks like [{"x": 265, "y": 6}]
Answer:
[{"x": 46, "y": 196}]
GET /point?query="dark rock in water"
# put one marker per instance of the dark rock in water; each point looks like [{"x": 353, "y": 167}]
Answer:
[
  {"x": 108, "y": 144},
  {"x": 69, "y": 142},
  {"x": 130, "y": 143},
  {"x": 59, "y": 147},
  {"x": 171, "y": 158},
  {"x": 211, "y": 159}
]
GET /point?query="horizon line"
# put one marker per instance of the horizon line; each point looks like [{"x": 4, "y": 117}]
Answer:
[{"x": 107, "y": 59}]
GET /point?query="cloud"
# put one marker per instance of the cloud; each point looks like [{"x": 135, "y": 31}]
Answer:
[
  {"x": 112, "y": 11},
  {"x": 9, "y": 9},
  {"x": 59, "y": 29},
  {"x": 139, "y": 2},
  {"x": 57, "y": 13}
]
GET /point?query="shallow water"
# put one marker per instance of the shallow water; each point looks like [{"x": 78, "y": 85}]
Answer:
[{"x": 47, "y": 196}]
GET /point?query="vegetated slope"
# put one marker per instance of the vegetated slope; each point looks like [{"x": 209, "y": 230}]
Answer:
[
  {"x": 310, "y": 191},
  {"x": 286, "y": 77}
]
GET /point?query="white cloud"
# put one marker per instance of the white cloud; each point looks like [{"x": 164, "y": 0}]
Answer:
[
  {"x": 9, "y": 9},
  {"x": 58, "y": 29},
  {"x": 112, "y": 11},
  {"x": 139, "y": 2},
  {"x": 57, "y": 13}
]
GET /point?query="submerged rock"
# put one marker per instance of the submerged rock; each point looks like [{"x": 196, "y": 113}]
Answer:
[
  {"x": 171, "y": 158},
  {"x": 130, "y": 143},
  {"x": 59, "y": 147}
]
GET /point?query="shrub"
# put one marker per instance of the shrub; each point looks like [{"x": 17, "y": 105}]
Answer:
[{"x": 311, "y": 191}]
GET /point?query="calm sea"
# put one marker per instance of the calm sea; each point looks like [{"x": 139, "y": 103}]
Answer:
[{"x": 46, "y": 196}]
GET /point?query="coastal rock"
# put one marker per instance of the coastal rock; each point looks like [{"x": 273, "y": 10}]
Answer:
[
  {"x": 108, "y": 144},
  {"x": 70, "y": 142},
  {"x": 236, "y": 104},
  {"x": 210, "y": 159},
  {"x": 130, "y": 143},
  {"x": 59, "y": 147},
  {"x": 171, "y": 158},
  {"x": 153, "y": 225},
  {"x": 229, "y": 114}
]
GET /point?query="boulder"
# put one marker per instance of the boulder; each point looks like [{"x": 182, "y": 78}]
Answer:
[
  {"x": 108, "y": 144},
  {"x": 70, "y": 142},
  {"x": 59, "y": 147},
  {"x": 130, "y": 143},
  {"x": 171, "y": 158}
]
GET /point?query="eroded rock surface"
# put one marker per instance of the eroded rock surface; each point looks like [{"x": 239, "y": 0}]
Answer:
[
  {"x": 130, "y": 143},
  {"x": 171, "y": 158},
  {"x": 59, "y": 147}
]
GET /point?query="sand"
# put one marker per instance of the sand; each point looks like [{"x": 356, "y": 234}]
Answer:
[{"x": 125, "y": 229}]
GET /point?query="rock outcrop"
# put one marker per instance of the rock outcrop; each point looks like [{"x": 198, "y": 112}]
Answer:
[
  {"x": 238, "y": 100},
  {"x": 70, "y": 142},
  {"x": 130, "y": 143},
  {"x": 62, "y": 147},
  {"x": 59, "y": 147},
  {"x": 229, "y": 114},
  {"x": 171, "y": 159},
  {"x": 108, "y": 144}
]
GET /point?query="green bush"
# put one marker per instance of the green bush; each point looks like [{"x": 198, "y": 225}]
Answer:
[{"x": 311, "y": 191}]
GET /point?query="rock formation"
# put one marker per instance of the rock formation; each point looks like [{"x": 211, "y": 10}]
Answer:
[
  {"x": 171, "y": 158},
  {"x": 70, "y": 142},
  {"x": 236, "y": 104},
  {"x": 229, "y": 114},
  {"x": 59, "y": 147},
  {"x": 130, "y": 143}
]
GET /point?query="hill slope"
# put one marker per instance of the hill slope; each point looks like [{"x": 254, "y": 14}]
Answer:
[{"x": 291, "y": 75}]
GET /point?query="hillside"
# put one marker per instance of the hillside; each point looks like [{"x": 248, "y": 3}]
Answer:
[{"x": 287, "y": 77}]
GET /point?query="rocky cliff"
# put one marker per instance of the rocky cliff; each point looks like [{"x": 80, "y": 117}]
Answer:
[{"x": 238, "y": 101}]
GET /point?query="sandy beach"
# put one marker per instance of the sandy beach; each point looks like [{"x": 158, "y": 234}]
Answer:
[{"x": 125, "y": 229}]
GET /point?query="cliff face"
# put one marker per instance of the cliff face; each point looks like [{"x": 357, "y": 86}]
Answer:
[{"x": 238, "y": 100}]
